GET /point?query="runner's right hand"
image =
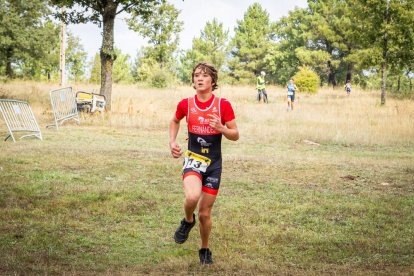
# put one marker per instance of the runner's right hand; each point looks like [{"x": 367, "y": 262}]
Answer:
[{"x": 175, "y": 150}]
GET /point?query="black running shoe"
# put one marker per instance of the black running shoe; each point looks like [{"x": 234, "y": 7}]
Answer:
[
  {"x": 181, "y": 235},
  {"x": 205, "y": 256}
]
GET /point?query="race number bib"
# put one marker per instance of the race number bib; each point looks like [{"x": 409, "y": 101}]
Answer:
[{"x": 195, "y": 161}]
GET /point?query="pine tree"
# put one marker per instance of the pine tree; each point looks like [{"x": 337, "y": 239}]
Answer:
[{"x": 250, "y": 44}]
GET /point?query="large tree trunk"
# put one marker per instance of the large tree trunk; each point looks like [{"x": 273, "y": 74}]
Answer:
[
  {"x": 331, "y": 76},
  {"x": 383, "y": 81},
  {"x": 399, "y": 84},
  {"x": 349, "y": 72},
  {"x": 107, "y": 52},
  {"x": 385, "y": 57},
  {"x": 9, "y": 69}
]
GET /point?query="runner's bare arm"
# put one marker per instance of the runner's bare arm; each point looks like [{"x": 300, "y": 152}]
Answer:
[
  {"x": 174, "y": 147},
  {"x": 229, "y": 131}
]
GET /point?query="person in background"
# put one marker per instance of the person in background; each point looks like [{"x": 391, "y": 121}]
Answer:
[
  {"x": 291, "y": 90},
  {"x": 348, "y": 87},
  {"x": 261, "y": 87}
]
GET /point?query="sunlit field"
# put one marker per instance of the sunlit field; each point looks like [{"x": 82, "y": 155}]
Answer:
[
  {"x": 327, "y": 188},
  {"x": 329, "y": 117}
]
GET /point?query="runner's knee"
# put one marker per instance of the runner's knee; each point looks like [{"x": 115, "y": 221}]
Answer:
[
  {"x": 204, "y": 215},
  {"x": 192, "y": 199}
]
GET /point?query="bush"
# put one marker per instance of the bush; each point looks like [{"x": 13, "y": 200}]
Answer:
[
  {"x": 159, "y": 79},
  {"x": 307, "y": 80}
]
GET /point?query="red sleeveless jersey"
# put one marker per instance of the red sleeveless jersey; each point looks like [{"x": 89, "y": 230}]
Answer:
[
  {"x": 198, "y": 119},
  {"x": 203, "y": 139}
]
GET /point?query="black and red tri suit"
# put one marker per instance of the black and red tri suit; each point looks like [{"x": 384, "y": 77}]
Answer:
[{"x": 203, "y": 139}]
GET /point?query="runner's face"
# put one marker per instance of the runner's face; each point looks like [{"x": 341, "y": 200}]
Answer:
[{"x": 202, "y": 80}]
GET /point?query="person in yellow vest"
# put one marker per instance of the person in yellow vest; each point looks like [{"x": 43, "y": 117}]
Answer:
[{"x": 261, "y": 87}]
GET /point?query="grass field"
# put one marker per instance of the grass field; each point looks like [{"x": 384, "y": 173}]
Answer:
[{"x": 325, "y": 189}]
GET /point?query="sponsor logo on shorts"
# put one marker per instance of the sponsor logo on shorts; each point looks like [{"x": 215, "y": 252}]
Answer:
[
  {"x": 209, "y": 185},
  {"x": 212, "y": 179}
]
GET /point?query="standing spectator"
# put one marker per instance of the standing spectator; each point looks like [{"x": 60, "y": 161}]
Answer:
[{"x": 261, "y": 87}]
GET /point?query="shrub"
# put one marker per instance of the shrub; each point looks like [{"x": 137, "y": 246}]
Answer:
[
  {"x": 160, "y": 78},
  {"x": 307, "y": 80}
]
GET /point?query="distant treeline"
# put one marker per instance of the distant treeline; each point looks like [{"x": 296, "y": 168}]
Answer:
[{"x": 370, "y": 43}]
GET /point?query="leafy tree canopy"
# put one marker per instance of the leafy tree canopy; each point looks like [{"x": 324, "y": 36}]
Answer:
[{"x": 250, "y": 43}]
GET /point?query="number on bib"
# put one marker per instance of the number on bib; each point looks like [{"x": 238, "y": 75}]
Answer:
[{"x": 195, "y": 161}]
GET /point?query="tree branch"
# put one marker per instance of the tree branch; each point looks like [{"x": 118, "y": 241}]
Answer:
[
  {"x": 124, "y": 8},
  {"x": 92, "y": 5}
]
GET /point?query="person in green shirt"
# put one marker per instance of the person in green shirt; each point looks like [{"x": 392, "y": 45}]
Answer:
[{"x": 261, "y": 87}]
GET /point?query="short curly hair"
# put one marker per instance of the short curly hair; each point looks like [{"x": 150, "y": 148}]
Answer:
[{"x": 210, "y": 70}]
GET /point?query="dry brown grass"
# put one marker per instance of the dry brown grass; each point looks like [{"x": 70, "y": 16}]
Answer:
[{"x": 330, "y": 116}]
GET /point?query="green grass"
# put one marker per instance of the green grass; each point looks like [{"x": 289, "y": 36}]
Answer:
[{"x": 105, "y": 200}]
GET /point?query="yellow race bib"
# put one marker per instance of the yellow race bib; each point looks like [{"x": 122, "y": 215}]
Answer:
[{"x": 196, "y": 161}]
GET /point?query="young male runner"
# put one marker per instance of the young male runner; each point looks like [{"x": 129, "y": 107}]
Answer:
[{"x": 208, "y": 118}]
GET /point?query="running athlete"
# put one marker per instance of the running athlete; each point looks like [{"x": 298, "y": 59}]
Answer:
[
  {"x": 208, "y": 118},
  {"x": 348, "y": 87},
  {"x": 291, "y": 89}
]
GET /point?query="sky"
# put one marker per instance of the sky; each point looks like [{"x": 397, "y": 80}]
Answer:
[{"x": 194, "y": 13}]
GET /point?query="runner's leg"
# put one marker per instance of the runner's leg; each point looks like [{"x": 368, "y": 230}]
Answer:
[
  {"x": 192, "y": 192},
  {"x": 204, "y": 216}
]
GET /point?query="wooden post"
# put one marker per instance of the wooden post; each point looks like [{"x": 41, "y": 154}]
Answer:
[{"x": 62, "y": 51}]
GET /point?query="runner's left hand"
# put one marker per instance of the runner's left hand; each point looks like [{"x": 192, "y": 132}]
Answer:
[{"x": 215, "y": 122}]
